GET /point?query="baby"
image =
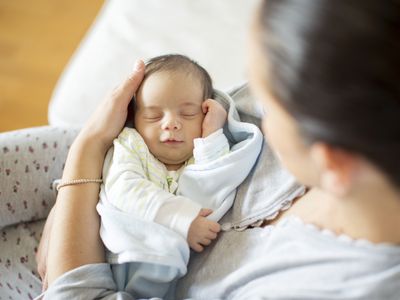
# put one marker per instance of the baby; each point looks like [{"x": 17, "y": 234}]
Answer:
[
  {"x": 176, "y": 124},
  {"x": 173, "y": 112}
]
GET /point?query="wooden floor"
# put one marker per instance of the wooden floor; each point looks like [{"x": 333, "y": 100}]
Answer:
[{"x": 36, "y": 40}]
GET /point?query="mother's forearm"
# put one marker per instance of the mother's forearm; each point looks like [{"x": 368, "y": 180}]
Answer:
[{"x": 74, "y": 239}]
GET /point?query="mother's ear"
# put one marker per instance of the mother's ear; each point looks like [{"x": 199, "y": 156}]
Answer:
[{"x": 337, "y": 168}]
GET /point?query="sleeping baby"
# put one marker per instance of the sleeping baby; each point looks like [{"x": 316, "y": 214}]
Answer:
[{"x": 162, "y": 179}]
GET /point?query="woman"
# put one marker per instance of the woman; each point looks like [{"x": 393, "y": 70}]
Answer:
[{"x": 327, "y": 74}]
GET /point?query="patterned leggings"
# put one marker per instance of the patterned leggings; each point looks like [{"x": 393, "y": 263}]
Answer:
[{"x": 30, "y": 159}]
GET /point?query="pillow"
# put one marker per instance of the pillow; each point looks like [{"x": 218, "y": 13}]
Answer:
[{"x": 211, "y": 32}]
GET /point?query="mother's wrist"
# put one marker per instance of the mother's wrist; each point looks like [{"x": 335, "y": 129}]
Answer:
[
  {"x": 85, "y": 159},
  {"x": 92, "y": 142}
]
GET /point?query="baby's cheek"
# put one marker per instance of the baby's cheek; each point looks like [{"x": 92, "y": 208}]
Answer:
[{"x": 150, "y": 136}]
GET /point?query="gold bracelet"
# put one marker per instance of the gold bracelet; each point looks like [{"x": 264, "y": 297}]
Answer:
[{"x": 77, "y": 181}]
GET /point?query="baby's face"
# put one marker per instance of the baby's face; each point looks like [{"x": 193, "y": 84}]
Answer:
[{"x": 169, "y": 116}]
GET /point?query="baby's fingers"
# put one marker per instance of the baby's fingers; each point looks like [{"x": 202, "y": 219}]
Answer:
[
  {"x": 204, "y": 106},
  {"x": 215, "y": 227},
  {"x": 197, "y": 247},
  {"x": 211, "y": 235},
  {"x": 207, "y": 105},
  {"x": 205, "y": 242}
]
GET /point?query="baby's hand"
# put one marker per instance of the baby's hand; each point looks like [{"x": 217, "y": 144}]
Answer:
[
  {"x": 215, "y": 116},
  {"x": 202, "y": 231}
]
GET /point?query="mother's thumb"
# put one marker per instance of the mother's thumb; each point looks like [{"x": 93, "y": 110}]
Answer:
[
  {"x": 138, "y": 70},
  {"x": 131, "y": 84}
]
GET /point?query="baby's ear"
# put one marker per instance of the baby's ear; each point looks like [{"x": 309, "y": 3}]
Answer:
[{"x": 130, "y": 119}]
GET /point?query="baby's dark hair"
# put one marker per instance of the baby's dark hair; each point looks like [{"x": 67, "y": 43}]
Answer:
[
  {"x": 335, "y": 66},
  {"x": 174, "y": 63},
  {"x": 180, "y": 63}
]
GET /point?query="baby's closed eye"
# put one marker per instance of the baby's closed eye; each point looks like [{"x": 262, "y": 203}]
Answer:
[
  {"x": 190, "y": 113},
  {"x": 152, "y": 116}
]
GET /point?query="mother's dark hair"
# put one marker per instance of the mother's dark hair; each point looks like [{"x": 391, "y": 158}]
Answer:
[{"x": 335, "y": 66}]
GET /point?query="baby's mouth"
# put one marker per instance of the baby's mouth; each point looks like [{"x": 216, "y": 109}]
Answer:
[{"x": 172, "y": 141}]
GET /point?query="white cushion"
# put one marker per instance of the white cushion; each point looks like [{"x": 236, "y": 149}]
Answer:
[{"x": 212, "y": 32}]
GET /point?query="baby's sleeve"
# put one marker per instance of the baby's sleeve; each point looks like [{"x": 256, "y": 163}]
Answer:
[{"x": 210, "y": 148}]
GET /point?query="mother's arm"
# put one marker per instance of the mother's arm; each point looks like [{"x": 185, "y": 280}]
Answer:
[{"x": 74, "y": 232}]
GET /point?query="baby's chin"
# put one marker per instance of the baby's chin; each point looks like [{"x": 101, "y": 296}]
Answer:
[
  {"x": 173, "y": 164},
  {"x": 173, "y": 167}
]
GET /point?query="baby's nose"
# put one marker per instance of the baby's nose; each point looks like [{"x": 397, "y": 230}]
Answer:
[{"x": 171, "y": 124}]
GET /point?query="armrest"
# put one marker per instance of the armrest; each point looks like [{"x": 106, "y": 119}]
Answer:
[{"x": 29, "y": 162}]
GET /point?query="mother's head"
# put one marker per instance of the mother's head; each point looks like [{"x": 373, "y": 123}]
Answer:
[{"x": 328, "y": 73}]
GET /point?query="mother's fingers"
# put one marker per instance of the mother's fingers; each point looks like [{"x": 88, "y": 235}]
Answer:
[
  {"x": 109, "y": 118},
  {"x": 45, "y": 284},
  {"x": 129, "y": 87}
]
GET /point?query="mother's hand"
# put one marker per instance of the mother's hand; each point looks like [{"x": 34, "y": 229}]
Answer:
[
  {"x": 57, "y": 251},
  {"x": 109, "y": 118}
]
